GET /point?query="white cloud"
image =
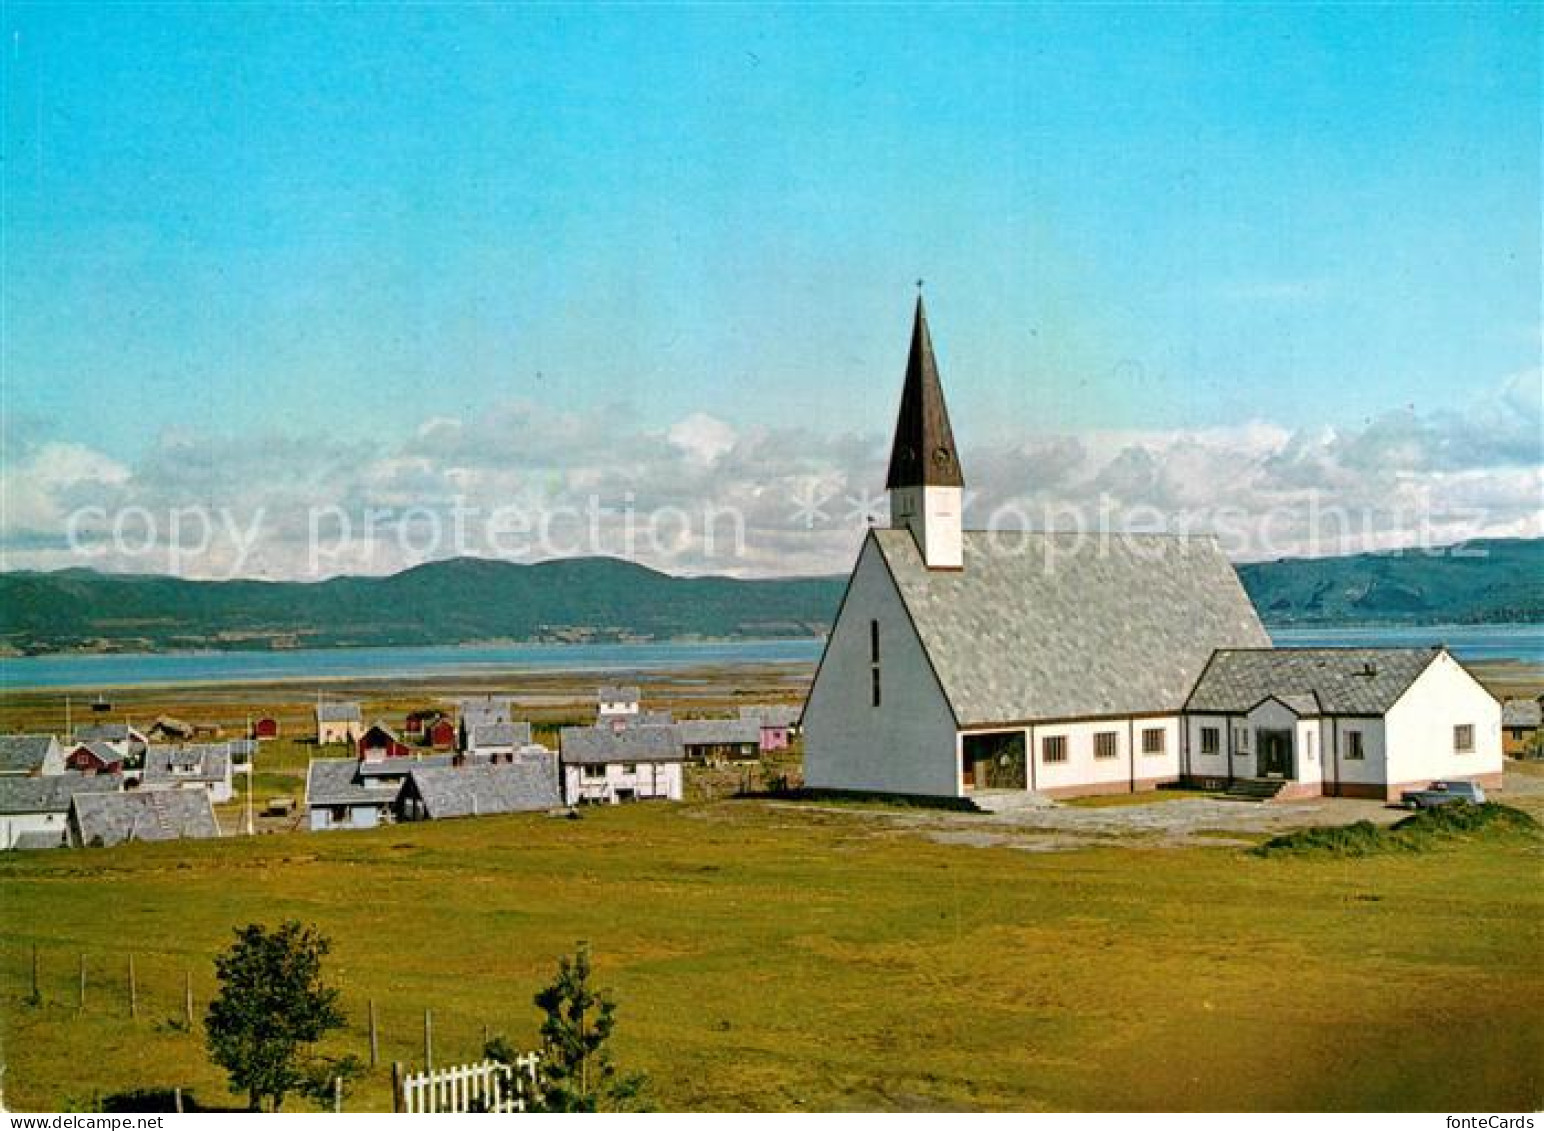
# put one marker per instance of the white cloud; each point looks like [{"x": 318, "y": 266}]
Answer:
[{"x": 524, "y": 482}]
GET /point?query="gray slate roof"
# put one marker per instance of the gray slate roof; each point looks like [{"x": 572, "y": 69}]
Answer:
[
  {"x": 1343, "y": 681},
  {"x": 486, "y": 709},
  {"x": 114, "y": 818},
  {"x": 399, "y": 767},
  {"x": 776, "y": 715},
  {"x": 719, "y": 732},
  {"x": 51, "y": 794},
  {"x": 1056, "y": 626},
  {"x": 616, "y": 693},
  {"x": 336, "y": 781},
  {"x": 1522, "y": 713},
  {"x": 337, "y": 712},
  {"x": 600, "y": 745},
  {"x": 24, "y": 753},
  {"x": 106, "y": 732},
  {"x": 195, "y": 762},
  {"x": 483, "y": 735},
  {"x": 530, "y": 783}
]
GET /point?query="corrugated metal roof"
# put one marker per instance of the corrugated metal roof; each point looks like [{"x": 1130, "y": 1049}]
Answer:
[
  {"x": 1345, "y": 681},
  {"x": 530, "y": 783},
  {"x": 115, "y": 818},
  {"x": 602, "y": 744},
  {"x": 1059, "y": 626}
]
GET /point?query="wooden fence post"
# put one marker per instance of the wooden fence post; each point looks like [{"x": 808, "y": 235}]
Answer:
[
  {"x": 375, "y": 1041},
  {"x": 396, "y": 1086},
  {"x": 133, "y": 990},
  {"x": 337, "y": 1093},
  {"x": 81, "y": 999},
  {"x": 428, "y": 1040},
  {"x": 187, "y": 998},
  {"x": 178, "y": 1095}
]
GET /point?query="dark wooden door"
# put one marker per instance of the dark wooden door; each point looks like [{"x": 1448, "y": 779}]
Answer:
[{"x": 1275, "y": 754}]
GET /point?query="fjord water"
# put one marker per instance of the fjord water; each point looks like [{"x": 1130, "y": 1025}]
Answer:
[{"x": 1521, "y": 642}]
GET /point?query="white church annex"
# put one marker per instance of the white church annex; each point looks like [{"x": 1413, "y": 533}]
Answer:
[{"x": 1072, "y": 664}]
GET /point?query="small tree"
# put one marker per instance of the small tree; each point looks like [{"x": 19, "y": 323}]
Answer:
[
  {"x": 576, "y": 1072},
  {"x": 272, "y": 1006}
]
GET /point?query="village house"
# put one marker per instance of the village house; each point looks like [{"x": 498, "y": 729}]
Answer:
[
  {"x": 479, "y": 711},
  {"x": 340, "y": 796},
  {"x": 34, "y": 811},
  {"x": 604, "y": 764},
  {"x": 963, "y": 662},
  {"x": 614, "y": 701},
  {"x": 30, "y": 755},
  {"x": 101, "y": 820},
  {"x": 497, "y": 740},
  {"x": 122, "y": 737},
  {"x": 168, "y": 729},
  {"x": 205, "y": 766},
  {"x": 715, "y": 740},
  {"x": 264, "y": 728},
  {"x": 1520, "y": 723},
  {"x": 1342, "y": 722},
  {"x": 528, "y": 783},
  {"x": 95, "y": 758},
  {"x": 338, "y": 723},
  {"x": 778, "y": 725},
  {"x": 380, "y": 741}
]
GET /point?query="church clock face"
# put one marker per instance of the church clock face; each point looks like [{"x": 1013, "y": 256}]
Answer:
[{"x": 941, "y": 457}]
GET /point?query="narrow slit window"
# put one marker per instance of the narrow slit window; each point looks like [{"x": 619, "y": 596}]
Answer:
[
  {"x": 873, "y": 642},
  {"x": 875, "y": 675}
]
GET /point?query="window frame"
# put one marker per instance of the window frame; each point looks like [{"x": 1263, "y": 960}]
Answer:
[
  {"x": 1103, "y": 737},
  {"x": 1056, "y": 742},
  {"x": 1150, "y": 749}
]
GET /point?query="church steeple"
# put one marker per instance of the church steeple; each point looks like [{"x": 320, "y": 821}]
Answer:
[
  {"x": 925, "y": 482},
  {"x": 923, "y": 454}
]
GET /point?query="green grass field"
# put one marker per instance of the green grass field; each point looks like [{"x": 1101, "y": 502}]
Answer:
[{"x": 778, "y": 957}]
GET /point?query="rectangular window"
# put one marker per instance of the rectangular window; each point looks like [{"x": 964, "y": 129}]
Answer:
[
  {"x": 1463, "y": 739},
  {"x": 629, "y": 767},
  {"x": 594, "y": 772},
  {"x": 1355, "y": 751},
  {"x": 1107, "y": 744},
  {"x": 875, "y": 679},
  {"x": 1053, "y": 748},
  {"x": 1211, "y": 740},
  {"x": 873, "y": 642},
  {"x": 1308, "y": 745},
  {"x": 1152, "y": 740}
]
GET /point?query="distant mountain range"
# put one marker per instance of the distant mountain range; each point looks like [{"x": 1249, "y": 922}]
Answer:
[{"x": 603, "y": 599}]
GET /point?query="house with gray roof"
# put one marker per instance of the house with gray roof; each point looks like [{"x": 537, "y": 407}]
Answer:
[
  {"x": 603, "y": 764},
  {"x": 1521, "y": 720},
  {"x": 35, "y": 810},
  {"x": 963, "y": 662},
  {"x": 501, "y": 739},
  {"x": 101, "y": 820},
  {"x": 340, "y": 794},
  {"x": 1351, "y": 722},
  {"x": 30, "y": 755},
  {"x": 338, "y": 723},
  {"x": 779, "y": 723},
  {"x": 205, "y": 765},
  {"x": 616, "y": 700},
  {"x": 528, "y": 783},
  {"x": 125, "y": 738},
  {"x": 714, "y": 740}
]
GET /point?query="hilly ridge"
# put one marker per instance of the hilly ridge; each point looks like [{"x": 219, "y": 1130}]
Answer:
[{"x": 469, "y": 600}]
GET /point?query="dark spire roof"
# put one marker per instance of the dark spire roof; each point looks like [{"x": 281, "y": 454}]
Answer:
[{"x": 924, "y": 454}]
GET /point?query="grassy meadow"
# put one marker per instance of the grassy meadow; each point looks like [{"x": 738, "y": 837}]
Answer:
[{"x": 779, "y": 956}]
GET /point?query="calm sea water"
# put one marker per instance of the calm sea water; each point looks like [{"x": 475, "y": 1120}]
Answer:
[{"x": 1468, "y": 642}]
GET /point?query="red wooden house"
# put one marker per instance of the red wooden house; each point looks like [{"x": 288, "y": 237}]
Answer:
[
  {"x": 265, "y": 728},
  {"x": 94, "y": 758},
  {"x": 441, "y": 733},
  {"x": 380, "y": 741}
]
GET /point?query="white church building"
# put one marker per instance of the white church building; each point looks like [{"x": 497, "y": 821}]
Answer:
[{"x": 1072, "y": 664}]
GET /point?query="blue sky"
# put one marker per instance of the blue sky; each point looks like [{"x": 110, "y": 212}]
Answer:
[{"x": 343, "y": 221}]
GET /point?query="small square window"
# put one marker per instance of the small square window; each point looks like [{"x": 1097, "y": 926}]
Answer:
[
  {"x": 1107, "y": 744},
  {"x": 629, "y": 767},
  {"x": 1153, "y": 740},
  {"x": 1053, "y": 748},
  {"x": 594, "y": 772},
  {"x": 1463, "y": 739},
  {"x": 1211, "y": 740},
  {"x": 1355, "y": 750}
]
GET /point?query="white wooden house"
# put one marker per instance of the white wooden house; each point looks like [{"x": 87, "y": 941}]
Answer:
[
  {"x": 338, "y": 723},
  {"x": 617, "y": 701},
  {"x": 606, "y": 764}
]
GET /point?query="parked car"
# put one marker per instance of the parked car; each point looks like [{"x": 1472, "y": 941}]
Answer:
[{"x": 1443, "y": 793}]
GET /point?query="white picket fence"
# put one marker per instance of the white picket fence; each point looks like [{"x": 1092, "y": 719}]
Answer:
[{"x": 488, "y": 1086}]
